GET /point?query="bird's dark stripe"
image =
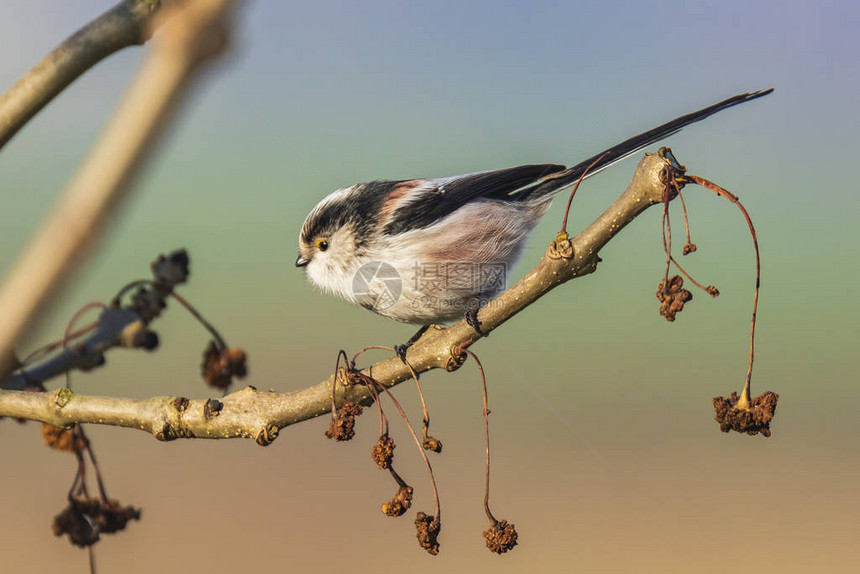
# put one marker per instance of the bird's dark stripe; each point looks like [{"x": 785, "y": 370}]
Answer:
[{"x": 360, "y": 212}]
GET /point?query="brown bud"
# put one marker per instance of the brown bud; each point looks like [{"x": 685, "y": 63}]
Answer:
[
  {"x": 65, "y": 440},
  {"x": 401, "y": 502},
  {"x": 501, "y": 537},
  {"x": 756, "y": 419},
  {"x": 689, "y": 248},
  {"x": 712, "y": 291},
  {"x": 383, "y": 451},
  {"x": 428, "y": 527},
  {"x": 342, "y": 427}
]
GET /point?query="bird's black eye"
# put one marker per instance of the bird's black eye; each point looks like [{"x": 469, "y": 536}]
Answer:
[{"x": 322, "y": 244}]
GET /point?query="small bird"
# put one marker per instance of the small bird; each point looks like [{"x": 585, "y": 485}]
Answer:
[{"x": 426, "y": 251}]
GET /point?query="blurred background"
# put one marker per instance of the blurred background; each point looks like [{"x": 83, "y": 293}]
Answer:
[{"x": 605, "y": 452}]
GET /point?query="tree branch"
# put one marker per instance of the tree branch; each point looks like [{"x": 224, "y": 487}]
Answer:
[
  {"x": 126, "y": 24},
  {"x": 197, "y": 33},
  {"x": 260, "y": 415}
]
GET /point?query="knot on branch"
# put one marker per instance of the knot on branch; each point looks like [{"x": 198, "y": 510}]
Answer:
[
  {"x": 267, "y": 435},
  {"x": 212, "y": 408},
  {"x": 180, "y": 404},
  {"x": 561, "y": 247},
  {"x": 63, "y": 396},
  {"x": 171, "y": 432},
  {"x": 456, "y": 359}
]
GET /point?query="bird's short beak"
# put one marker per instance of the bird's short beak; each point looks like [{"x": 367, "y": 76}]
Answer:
[{"x": 302, "y": 261}]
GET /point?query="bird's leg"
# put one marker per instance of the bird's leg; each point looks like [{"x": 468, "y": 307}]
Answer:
[
  {"x": 472, "y": 315},
  {"x": 401, "y": 349}
]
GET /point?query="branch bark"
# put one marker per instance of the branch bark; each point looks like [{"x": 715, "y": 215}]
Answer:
[
  {"x": 197, "y": 33},
  {"x": 126, "y": 24},
  {"x": 249, "y": 413}
]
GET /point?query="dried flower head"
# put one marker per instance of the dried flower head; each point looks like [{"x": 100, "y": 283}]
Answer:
[
  {"x": 428, "y": 527},
  {"x": 753, "y": 420},
  {"x": 84, "y": 519},
  {"x": 712, "y": 291},
  {"x": 432, "y": 443},
  {"x": 221, "y": 365},
  {"x": 501, "y": 536},
  {"x": 672, "y": 297},
  {"x": 689, "y": 248},
  {"x": 171, "y": 270},
  {"x": 66, "y": 440},
  {"x": 401, "y": 502},
  {"x": 383, "y": 451},
  {"x": 342, "y": 427}
]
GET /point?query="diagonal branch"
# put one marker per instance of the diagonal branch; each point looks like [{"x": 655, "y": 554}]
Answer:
[
  {"x": 260, "y": 415},
  {"x": 126, "y": 24}
]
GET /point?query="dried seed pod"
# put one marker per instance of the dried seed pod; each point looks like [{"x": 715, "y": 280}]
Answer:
[
  {"x": 672, "y": 297},
  {"x": 171, "y": 270},
  {"x": 753, "y": 420},
  {"x": 342, "y": 427},
  {"x": 221, "y": 365},
  {"x": 84, "y": 519},
  {"x": 432, "y": 443},
  {"x": 689, "y": 248},
  {"x": 500, "y": 536},
  {"x": 401, "y": 502},
  {"x": 383, "y": 451},
  {"x": 428, "y": 527},
  {"x": 65, "y": 440}
]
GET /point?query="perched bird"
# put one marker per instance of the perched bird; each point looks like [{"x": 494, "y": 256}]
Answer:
[{"x": 426, "y": 251}]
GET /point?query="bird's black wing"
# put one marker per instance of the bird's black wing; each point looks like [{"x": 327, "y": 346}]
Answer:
[{"x": 437, "y": 198}]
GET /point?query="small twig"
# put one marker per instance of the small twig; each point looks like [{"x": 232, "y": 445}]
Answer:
[
  {"x": 666, "y": 233},
  {"x": 54, "y": 345},
  {"x": 686, "y": 218},
  {"x": 745, "y": 399},
  {"x": 340, "y": 354},
  {"x": 425, "y": 412},
  {"x": 573, "y": 192},
  {"x": 486, "y": 436},
  {"x": 710, "y": 289},
  {"x": 222, "y": 344}
]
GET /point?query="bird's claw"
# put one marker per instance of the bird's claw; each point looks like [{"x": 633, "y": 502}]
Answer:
[{"x": 472, "y": 320}]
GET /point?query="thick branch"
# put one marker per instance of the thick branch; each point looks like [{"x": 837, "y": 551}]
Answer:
[
  {"x": 260, "y": 415},
  {"x": 196, "y": 34},
  {"x": 126, "y": 24}
]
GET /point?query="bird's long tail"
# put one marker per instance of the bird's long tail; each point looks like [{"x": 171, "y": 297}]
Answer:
[{"x": 630, "y": 146}]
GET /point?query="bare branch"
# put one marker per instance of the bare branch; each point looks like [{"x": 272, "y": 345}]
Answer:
[
  {"x": 126, "y": 24},
  {"x": 118, "y": 326},
  {"x": 197, "y": 33},
  {"x": 260, "y": 415}
]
